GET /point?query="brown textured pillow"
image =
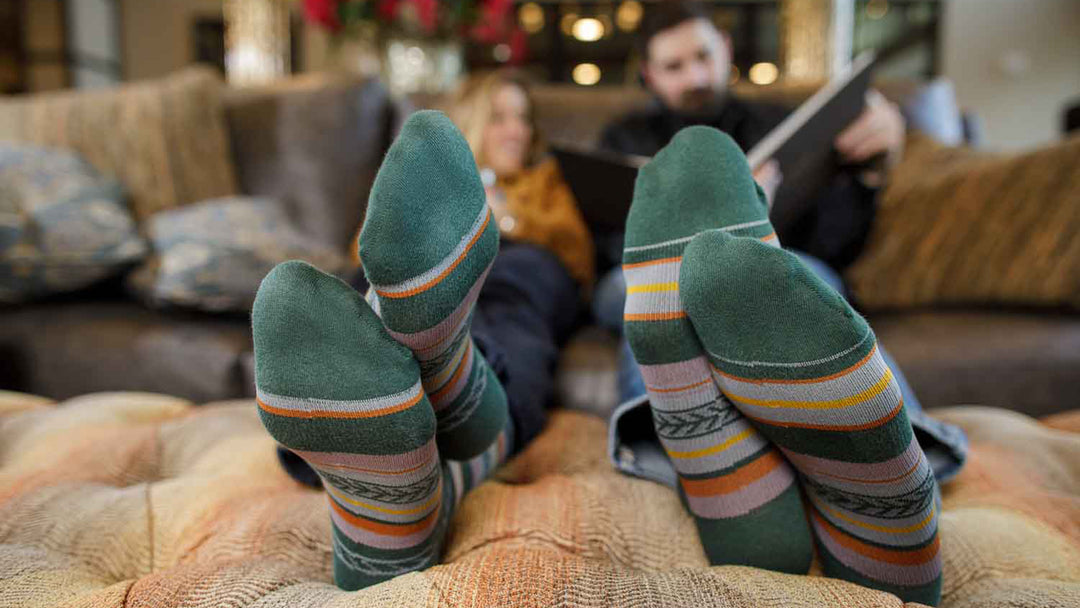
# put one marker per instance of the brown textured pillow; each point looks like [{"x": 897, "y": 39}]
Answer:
[
  {"x": 962, "y": 227},
  {"x": 165, "y": 140}
]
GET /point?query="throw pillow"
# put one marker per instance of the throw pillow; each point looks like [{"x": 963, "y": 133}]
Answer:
[
  {"x": 957, "y": 226},
  {"x": 213, "y": 255},
  {"x": 62, "y": 225},
  {"x": 165, "y": 140}
]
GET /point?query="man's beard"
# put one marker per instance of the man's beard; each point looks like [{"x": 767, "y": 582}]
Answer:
[{"x": 700, "y": 103}]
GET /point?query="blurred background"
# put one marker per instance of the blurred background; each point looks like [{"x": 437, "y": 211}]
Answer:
[
  {"x": 159, "y": 157},
  {"x": 1014, "y": 64}
]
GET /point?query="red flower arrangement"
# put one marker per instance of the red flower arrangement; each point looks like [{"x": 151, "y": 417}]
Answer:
[{"x": 486, "y": 21}]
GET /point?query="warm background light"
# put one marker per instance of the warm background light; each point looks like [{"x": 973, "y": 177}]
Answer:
[
  {"x": 566, "y": 25},
  {"x": 876, "y": 9},
  {"x": 588, "y": 29},
  {"x": 763, "y": 73},
  {"x": 586, "y": 74},
  {"x": 531, "y": 17},
  {"x": 502, "y": 52},
  {"x": 628, "y": 15}
]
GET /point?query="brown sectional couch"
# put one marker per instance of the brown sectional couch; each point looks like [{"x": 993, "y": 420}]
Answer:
[{"x": 316, "y": 143}]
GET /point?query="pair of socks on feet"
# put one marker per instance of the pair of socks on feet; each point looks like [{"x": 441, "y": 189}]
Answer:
[
  {"x": 762, "y": 379},
  {"x": 388, "y": 398}
]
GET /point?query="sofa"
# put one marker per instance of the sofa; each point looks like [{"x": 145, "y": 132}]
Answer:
[
  {"x": 312, "y": 142},
  {"x": 315, "y": 142}
]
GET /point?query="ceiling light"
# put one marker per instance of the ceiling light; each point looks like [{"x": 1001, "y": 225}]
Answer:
[
  {"x": 586, "y": 74},
  {"x": 763, "y": 73},
  {"x": 588, "y": 29},
  {"x": 628, "y": 16},
  {"x": 531, "y": 17}
]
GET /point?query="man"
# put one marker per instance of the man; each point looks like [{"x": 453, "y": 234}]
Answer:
[{"x": 686, "y": 64}]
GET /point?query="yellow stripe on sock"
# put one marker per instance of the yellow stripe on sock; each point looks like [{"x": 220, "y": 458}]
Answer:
[
  {"x": 876, "y": 528},
  {"x": 716, "y": 449},
  {"x": 832, "y": 404},
  {"x": 653, "y": 287},
  {"x": 434, "y": 499}
]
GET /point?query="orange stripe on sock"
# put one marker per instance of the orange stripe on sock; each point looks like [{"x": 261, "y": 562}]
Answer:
[
  {"x": 679, "y": 388},
  {"x": 439, "y": 394},
  {"x": 848, "y": 370},
  {"x": 651, "y": 263},
  {"x": 771, "y": 235},
  {"x": 347, "y": 415},
  {"x": 828, "y": 427},
  {"x": 736, "y": 480},
  {"x": 442, "y": 275},
  {"x": 900, "y": 558},
  {"x": 385, "y": 529},
  {"x": 655, "y": 316}
]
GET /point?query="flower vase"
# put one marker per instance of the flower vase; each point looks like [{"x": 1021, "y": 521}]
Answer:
[{"x": 418, "y": 65}]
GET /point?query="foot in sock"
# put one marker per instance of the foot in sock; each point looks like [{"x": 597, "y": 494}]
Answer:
[
  {"x": 335, "y": 388},
  {"x": 793, "y": 357},
  {"x": 427, "y": 244},
  {"x": 740, "y": 490}
]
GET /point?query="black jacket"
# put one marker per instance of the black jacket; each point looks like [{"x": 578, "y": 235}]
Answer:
[{"x": 836, "y": 227}]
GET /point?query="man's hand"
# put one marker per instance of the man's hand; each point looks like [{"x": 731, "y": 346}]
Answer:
[
  {"x": 879, "y": 129},
  {"x": 768, "y": 176}
]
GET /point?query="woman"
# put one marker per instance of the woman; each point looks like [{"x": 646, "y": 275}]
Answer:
[{"x": 526, "y": 192}]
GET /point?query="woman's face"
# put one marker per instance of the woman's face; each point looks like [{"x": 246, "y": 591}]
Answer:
[{"x": 508, "y": 135}]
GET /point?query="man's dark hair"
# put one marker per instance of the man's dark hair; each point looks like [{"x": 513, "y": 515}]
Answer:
[{"x": 664, "y": 15}]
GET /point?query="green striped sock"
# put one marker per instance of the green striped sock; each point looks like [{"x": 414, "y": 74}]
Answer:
[
  {"x": 427, "y": 244},
  {"x": 740, "y": 490},
  {"x": 791, "y": 354},
  {"x": 336, "y": 389}
]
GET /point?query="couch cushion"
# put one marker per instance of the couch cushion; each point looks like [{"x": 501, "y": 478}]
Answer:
[
  {"x": 959, "y": 227},
  {"x": 142, "y": 500},
  {"x": 165, "y": 140},
  {"x": 62, "y": 225},
  {"x": 62, "y": 349},
  {"x": 213, "y": 255},
  {"x": 1023, "y": 361},
  {"x": 315, "y": 143}
]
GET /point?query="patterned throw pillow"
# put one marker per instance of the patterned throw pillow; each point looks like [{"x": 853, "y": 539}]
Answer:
[
  {"x": 213, "y": 255},
  {"x": 62, "y": 225},
  {"x": 957, "y": 226}
]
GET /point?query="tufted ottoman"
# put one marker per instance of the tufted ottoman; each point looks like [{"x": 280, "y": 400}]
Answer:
[{"x": 129, "y": 499}]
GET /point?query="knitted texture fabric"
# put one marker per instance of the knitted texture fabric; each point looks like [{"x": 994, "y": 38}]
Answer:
[
  {"x": 795, "y": 359},
  {"x": 140, "y": 500},
  {"x": 739, "y": 488},
  {"x": 335, "y": 388},
  {"x": 427, "y": 244}
]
